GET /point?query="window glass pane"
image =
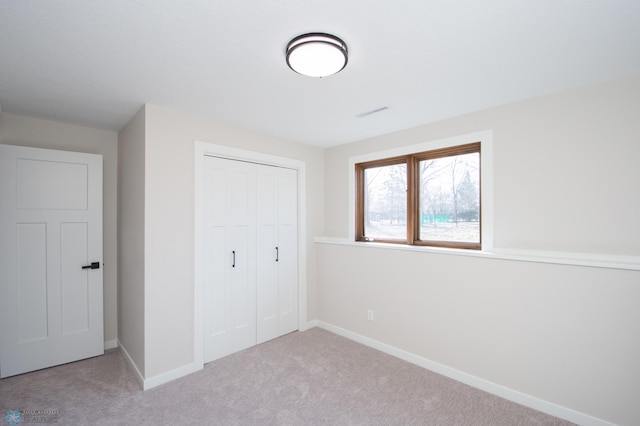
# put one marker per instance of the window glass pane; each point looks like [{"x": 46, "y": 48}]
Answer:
[
  {"x": 385, "y": 202},
  {"x": 450, "y": 199}
]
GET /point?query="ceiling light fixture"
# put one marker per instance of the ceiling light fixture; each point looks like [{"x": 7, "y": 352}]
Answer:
[{"x": 317, "y": 54}]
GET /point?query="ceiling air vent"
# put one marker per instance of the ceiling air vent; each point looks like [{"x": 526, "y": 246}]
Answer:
[{"x": 373, "y": 111}]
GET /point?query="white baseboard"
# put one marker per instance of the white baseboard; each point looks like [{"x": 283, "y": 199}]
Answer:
[
  {"x": 477, "y": 382},
  {"x": 133, "y": 365},
  {"x": 310, "y": 324},
  {"x": 163, "y": 378},
  {"x": 160, "y": 379},
  {"x": 110, "y": 344}
]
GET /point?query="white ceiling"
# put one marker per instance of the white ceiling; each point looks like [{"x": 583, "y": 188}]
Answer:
[{"x": 97, "y": 62}]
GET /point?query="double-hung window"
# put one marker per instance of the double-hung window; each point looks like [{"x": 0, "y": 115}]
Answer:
[{"x": 429, "y": 198}]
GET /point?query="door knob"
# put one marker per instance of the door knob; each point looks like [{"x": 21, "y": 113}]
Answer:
[{"x": 94, "y": 265}]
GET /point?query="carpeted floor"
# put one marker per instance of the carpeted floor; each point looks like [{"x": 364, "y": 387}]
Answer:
[{"x": 304, "y": 378}]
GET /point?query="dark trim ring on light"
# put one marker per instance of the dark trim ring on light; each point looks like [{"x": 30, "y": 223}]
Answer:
[{"x": 317, "y": 54}]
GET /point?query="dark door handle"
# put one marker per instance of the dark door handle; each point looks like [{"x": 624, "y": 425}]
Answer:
[
  {"x": 233, "y": 265},
  {"x": 277, "y": 254},
  {"x": 94, "y": 265}
]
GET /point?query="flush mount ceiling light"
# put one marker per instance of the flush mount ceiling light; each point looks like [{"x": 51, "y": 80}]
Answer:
[{"x": 317, "y": 54}]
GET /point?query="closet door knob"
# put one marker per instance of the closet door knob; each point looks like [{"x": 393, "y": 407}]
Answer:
[
  {"x": 233, "y": 265},
  {"x": 94, "y": 265},
  {"x": 277, "y": 254}
]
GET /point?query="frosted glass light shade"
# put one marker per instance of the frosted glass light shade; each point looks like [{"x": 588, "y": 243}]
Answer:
[{"x": 317, "y": 54}]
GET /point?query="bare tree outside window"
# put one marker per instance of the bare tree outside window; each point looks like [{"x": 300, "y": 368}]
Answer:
[
  {"x": 450, "y": 199},
  {"x": 385, "y": 204}
]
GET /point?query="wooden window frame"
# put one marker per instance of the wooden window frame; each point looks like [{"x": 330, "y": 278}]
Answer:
[
  {"x": 360, "y": 170},
  {"x": 412, "y": 162}
]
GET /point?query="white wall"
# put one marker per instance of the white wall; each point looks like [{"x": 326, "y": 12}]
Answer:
[
  {"x": 566, "y": 179},
  {"x": 169, "y": 225},
  {"x": 563, "y": 165},
  {"x": 33, "y": 132},
  {"x": 131, "y": 209}
]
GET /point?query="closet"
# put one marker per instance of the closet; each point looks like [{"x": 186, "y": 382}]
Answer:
[{"x": 250, "y": 265}]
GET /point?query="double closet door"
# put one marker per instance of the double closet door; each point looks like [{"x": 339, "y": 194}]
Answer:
[{"x": 251, "y": 286}]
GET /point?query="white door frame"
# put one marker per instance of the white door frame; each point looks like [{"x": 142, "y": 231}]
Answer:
[{"x": 202, "y": 149}]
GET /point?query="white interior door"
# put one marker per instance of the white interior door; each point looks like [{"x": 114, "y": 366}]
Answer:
[
  {"x": 250, "y": 254},
  {"x": 51, "y": 308},
  {"x": 230, "y": 253},
  {"x": 277, "y": 252},
  {"x": 268, "y": 253},
  {"x": 288, "y": 251}
]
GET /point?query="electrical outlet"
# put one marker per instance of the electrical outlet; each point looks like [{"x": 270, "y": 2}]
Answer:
[{"x": 370, "y": 315}]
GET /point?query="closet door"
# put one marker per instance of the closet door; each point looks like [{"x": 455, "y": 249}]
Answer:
[
  {"x": 230, "y": 254},
  {"x": 268, "y": 251},
  {"x": 277, "y": 261},
  {"x": 287, "y": 251}
]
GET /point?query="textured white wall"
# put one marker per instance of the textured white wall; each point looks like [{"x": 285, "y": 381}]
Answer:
[
  {"x": 26, "y": 131},
  {"x": 566, "y": 179}
]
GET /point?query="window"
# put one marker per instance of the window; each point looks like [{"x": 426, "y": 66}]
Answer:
[{"x": 429, "y": 198}]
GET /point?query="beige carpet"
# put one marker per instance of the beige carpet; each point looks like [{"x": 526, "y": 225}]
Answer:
[{"x": 305, "y": 378}]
